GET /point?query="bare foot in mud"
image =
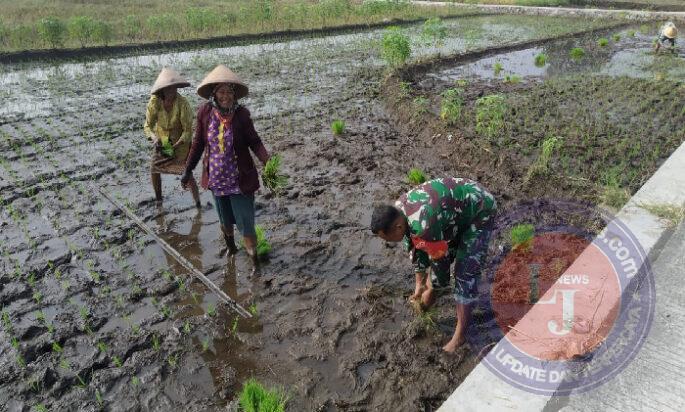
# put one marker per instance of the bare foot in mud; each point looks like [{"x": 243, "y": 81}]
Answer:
[{"x": 454, "y": 344}]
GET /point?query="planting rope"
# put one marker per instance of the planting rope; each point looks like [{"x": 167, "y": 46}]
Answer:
[{"x": 183, "y": 261}]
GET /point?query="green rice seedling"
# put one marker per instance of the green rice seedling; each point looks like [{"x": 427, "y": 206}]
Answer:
[
  {"x": 395, "y": 46},
  {"x": 37, "y": 296},
  {"x": 20, "y": 361},
  {"x": 577, "y": 53},
  {"x": 211, "y": 309},
  {"x": 254, "y": 397},
  {"x": 40, "y": 408},
  {"x": 56, "y": 347},
  {"x": 616, "y": 37},
  {"x": 40, "y": 316},
  {"x": 603, "y": 42},
  {"x": 416, "y": 176},
  {"x": 102, "y": 347},
  {"x": 64, "y": 364},
  {"x": 172, "y": 360},
  {"x": 433, "y": 32},
  {"x": 205, "y": 344},
  {"x": 253, "y": 309},
  {"x": 541, "y": 165},
  {"x": 427, "y": 319},
  {"x": 116, "y": 361},
  {"x": 521, "y": 237},
  {"x": 420, "y": 105},
  {"x": 512, "y": 78},
  {"x": 263, "y": 245},
  {"x": 490, "y": 115},
  {"x": 186, "y": 327},
  {"x": 540, "y": 60},
  {"x": 98, "y": 398},
  {"x": 271, "y": 175},
  {"x": 630, "y": 33},
  {"x": 405, "y": 90},
  {"x": 84, "y": 312},
  {"x": 451, "y": 105},
  {"x": 497, "y": 68},
  {"x": 81, "y": 28},
  {"x": 234, "y": 326},
  {"x": 52, "y": 31},
  {"x": 132, "y": 27},
  {"x": 6, "y": 322},
  {"x": 338, "y": 127}
]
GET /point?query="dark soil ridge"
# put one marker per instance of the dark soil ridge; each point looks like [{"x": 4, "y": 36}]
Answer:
[{"x": 234, "y": 40}]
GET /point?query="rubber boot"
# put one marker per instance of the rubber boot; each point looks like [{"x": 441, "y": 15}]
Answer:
[{"x": 156, "y": 179}]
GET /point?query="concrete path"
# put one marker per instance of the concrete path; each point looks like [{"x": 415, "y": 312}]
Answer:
[
  {"x": 564, "y": 11},
  {"x": 655, "y": 379}
]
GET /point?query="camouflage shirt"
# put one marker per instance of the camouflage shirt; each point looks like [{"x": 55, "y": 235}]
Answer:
[{"x": 447, "y": 209}]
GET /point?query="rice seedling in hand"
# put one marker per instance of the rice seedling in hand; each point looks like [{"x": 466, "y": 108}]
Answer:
[
  {"x": 416, "y": 176},
  {"x": 167, "y": 149},
  {"x": 395, "y": 47},
  {"x": 521, "y": 237},
  {"x": 603, "y": 42},
  {"x": 338, "y": 127},
  {"x": 577, "y": 53},
  {"x": 540, "y": 60},
  {"x": 254, "y": 397},
  {"x": 271, "y": 175}
]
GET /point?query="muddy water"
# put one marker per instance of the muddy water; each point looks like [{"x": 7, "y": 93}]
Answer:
[{"x": 133, "y": 330}]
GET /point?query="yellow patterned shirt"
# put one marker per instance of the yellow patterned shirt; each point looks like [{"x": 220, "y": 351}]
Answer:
[{"x": 171, "y": 126}]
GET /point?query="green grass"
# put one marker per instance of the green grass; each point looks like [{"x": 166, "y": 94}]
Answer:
[
  {"x": 254, "y": 397},
  {"x": 603, "y": 42},
  {"x": 541, "y": 165},
  {"x": 433, "y": 32},
  {"x": 521, "y": 236},
  {"x": 540, "y": 60},
  {"x": 271, "y": 175},
  {"x": 674, "y": 215},
  {"x": 338, "y": 127},
  {"x": 35, "y": 24},
  {"x": 577, "y": 53},
  {"x": 416, "y": 176},
  {"x": 497, "y": 68}
]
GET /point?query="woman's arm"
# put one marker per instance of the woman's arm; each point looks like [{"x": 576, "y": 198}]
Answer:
[
  {"x": 151, "y": 119},
  {"x": 186, "y": 122},
  {"x": 198, "y": 146},
  {"x": 253, "y": 139}
]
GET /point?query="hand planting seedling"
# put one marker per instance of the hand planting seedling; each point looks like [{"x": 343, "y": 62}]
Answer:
[
  {"x": 416, "y": 176},
  {"x": 602, "y": 42},
  {"x": 338, "y": 127},
  {"x": 271, "y": 175},
  {"x": 254, "y": 397},
  {"x": 521, "y": 237},
  {"x": 540, "y": 60}
]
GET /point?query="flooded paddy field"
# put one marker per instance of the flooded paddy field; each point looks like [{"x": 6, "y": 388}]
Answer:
[{"x": 96, "y": 316}]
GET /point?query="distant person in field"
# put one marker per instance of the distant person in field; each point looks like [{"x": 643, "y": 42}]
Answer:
[
  {"x": 226, "y": 135},
  {"x": 169, "y": 125},
  {"x": 667, "y": 34},
  {"x": 441, "y": 222}
]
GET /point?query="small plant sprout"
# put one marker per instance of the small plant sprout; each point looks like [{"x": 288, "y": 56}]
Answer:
[
  {"x": 155, "y": 342},
  {"x": 631, "y": 33},
  {"x": 427, "y": 318},
  {"x": 271, "y": 175},
  {"x": 211, "y": 309},
  {"x": 338, "y": 127},
  {"x": 541, "y": 165},
  {"x": 98, "y": 398},
  {"x": 416, "y": 176},
  {"x": 234, "y": 326},
  {"x": 172, "y": 360},
  {"x": 37, "y": 296},
  {"x": 521, "y": 237},
  {"x": 102, "y": 347},
  {"x": 166, "y": 275},
  {"x": 40, "y": 408},
  {"x": 254, "y": 397},
  {"x": 253, "y": 309},
  {"x": 135, "y": 381},
  {"x": 603, "y": 42},
  {"x": 263, "y": 245},
  {"x": 205, "y": 344},
  {"x": 616, "y": 37},
  {"x": 420, "y": 105},
  {"x": 116, "y": 361},
  {"x": 186, "y": 327},
  {"x": 512, "y": 78},
  {"x": 395, "y": 46},
  {"x": 6, "y": 322},
  {"x": 56, "y": 347},
  {"x": 451, "y": 105},
  {"x": 540, "y": 60},
  {"x": 497, "y": 68},
  {"x": 577, "y": 53}
]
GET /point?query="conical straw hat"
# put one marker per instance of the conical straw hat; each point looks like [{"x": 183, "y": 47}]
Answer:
[
  {"x": 670, "y": 32},
  {"x": 168, "y": 77},
  {"x": 221, "y": 74}
]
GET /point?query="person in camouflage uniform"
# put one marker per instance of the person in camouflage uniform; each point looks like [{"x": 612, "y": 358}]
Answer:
[{"x": 441, "y": 222}]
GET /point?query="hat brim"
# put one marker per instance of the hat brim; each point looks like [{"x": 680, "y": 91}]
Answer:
[
  {"x": 180, "y": 85},
  {"x": 205, "y": 91}
]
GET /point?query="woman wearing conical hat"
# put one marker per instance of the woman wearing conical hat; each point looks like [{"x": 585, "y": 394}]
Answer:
[
  {"x": 225, "y": 135},
  {"x": 169, "y": 125},
  {"x": 668, "y": 34}
]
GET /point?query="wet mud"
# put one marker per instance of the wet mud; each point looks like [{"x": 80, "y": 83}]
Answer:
[{"x": 97, "y": 317}]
